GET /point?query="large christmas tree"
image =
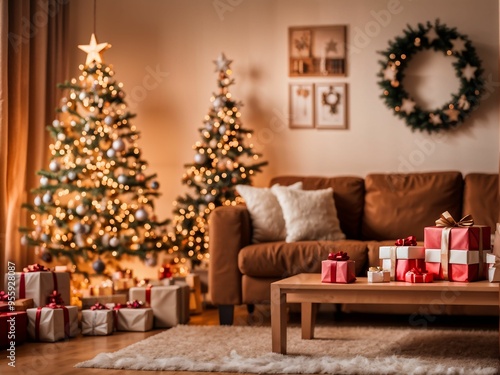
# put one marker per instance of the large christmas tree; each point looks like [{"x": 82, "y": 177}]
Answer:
[
  {"x": 224, "y": 158},
  {"x": 95, "y": 200}
]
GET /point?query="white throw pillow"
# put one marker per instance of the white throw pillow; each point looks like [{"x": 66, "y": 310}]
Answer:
[
  {"x": 267, "y": 218},
  {"x": 309, "y": 214}
]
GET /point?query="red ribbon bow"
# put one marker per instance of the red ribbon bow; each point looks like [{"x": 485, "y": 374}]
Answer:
[
  {"x": 55, "y": 297},
  {"x": 4, "y": 297},
  {"x": 408, "y": 241},
  {"x": 35, "y": 268},
  {"x": 417, "y": 271},
  {"x": 135, "y": 304},
  {"x": 340, "y": 256},
  {"x": 99, "y": 306}
]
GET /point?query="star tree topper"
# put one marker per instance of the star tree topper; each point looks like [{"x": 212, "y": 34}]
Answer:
[
  {"x": 222, "y": 63},
  {"x": 94, "y": 50}
]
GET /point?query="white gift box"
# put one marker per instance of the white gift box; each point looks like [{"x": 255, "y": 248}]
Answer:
[
  {"x": 51, "y": 324},
  {"x": 134, "y": 320},
  {"x": 97, "y": 322},
  {"x": 39, "y": 285},
  {"x": 493, "y": 272},
  {"x": 170, "y": 303},
  {"x": 402, "y": 252},
  {"x": 379, "y": 276},
  {"x": 456, "y": 256}
]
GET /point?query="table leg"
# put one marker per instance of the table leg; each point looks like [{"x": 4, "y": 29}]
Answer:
[
  {"x": 499, "y": 321},
  {"x": 278, "y": 319},
  {"x": 308, "y": 319}
]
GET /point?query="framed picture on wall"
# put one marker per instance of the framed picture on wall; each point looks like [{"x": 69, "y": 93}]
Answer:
[
  {"x": 330, "y": 105},
  {"x": 317, "y": 51},
  {"x": 301, "y": 105}
]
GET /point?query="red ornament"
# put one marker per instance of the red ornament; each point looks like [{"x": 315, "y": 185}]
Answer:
[{"x": 164, "y": 272}]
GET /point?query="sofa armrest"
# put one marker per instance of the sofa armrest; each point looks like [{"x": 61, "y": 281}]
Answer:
[{"x": 229, "y": 231}]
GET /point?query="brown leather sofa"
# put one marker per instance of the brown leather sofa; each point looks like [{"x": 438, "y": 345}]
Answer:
[{"x": 372, "y": 211}]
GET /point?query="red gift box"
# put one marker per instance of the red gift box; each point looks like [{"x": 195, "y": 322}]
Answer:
[
  {"x": 13, "y": 328},
  {"x": 418, "y": 276},
  {"x": 402, "y": 257},
  {"x": 338, "y": 268},
  {"x": 450, "y": 235}
]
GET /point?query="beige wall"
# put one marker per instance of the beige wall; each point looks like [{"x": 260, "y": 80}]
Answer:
[{"x": 179, "y": 39}]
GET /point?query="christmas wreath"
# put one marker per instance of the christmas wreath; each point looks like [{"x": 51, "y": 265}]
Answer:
[{"x": 466, "y": 63}]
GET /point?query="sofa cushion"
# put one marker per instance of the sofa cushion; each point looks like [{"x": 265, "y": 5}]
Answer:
[
  {"x": 308, "y": 215},
  {"x": 265, "y": 211},
  {"x": 348, "y": 194},
  {"x": 281, "y": 259},
  {"x": 481, "y": 198},
  {"x": 399, "y": 205}
]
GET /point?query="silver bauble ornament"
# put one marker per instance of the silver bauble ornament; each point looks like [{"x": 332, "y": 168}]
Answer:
[
  {"x": 46, "y": 257},
  {"x": 200, "y": 158},
  {"x": 105, "y": 240},
  {"x": 79, "y": 240},
  {"x": 109, "y": 120},
  {"x": 56, "y": 123},
  {"x": 37, "y": 201},
  {"x": 222, "y": 129},
  {"x": 118, "y": 145},
  {"x": 141, "y": 214},
  {"x": 73, "y": 123},
  {"x": 209, "y": 126},
  {"x": 64, "y": 108},
  {"x": 209, "y": 198},
  {"x": 114, "y": 242},
  {"x": 64, "y": 179},
  {"x": 111, "y": 153},
  {"x": 218, "y": 102},
  {"x": 82, "y": 95},
  {"x": 78, "y": 228},
  {"x": 155, "y": 185},
  {"x": 72, "y": 175},
  {"x": 47, "y": 198},
  {"x": 24, "y": 240},
  {"x": 139, "y": 177},
  {"x": 44, "y": 181},
  {"x": 54, "y": 166},
  {"x": 61, "y": 137},
  {"x": 81, "y": 209},
  {"x": 122, "y": 179},
  {"x": 45, "y": 237},
  {"x": 86, "y": 229}
]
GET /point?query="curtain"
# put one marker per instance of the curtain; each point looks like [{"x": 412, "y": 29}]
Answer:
[{"x": 33, "y": 59}]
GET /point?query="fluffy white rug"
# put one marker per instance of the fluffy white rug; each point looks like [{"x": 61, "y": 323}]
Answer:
[{"x": 335, "y": 350}]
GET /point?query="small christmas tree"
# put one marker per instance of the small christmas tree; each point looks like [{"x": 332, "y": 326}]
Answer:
[
  {"x": 222, "y": 160},
  {"x": 95, "y": 200}
]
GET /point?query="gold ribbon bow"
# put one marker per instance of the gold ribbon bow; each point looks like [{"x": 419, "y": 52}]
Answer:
[
  {"x": 446, "y": 220},
  {"x": 375, "y": 269}
]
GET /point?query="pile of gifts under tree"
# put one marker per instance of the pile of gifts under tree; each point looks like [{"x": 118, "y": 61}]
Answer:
[
  {"x": 453, "y": 250},
  {"x": 36, "y": 305}
]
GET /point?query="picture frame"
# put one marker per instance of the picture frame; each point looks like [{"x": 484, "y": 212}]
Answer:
[
  {"x": 317, "y": 51},
  {"x": 330, "y": 105},
  {"x": 301, "y": 105}
]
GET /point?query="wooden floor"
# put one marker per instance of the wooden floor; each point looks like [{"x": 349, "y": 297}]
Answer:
[{"x": 59, "y": 358}]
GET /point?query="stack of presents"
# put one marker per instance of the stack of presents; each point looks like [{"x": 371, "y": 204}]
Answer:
[
  {"x": 36, "y": 306},
  {"x": 456, "y": 251}
]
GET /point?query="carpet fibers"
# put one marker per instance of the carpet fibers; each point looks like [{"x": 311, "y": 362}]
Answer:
[{"x": 334, "y": 350}]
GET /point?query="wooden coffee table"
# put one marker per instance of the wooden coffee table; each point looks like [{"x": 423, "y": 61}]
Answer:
[{"x": 308, "y": 290}]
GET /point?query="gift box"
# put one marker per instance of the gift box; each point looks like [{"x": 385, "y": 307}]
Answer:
[
  {"x": 88, "y": 302},
  {"x": 418, "y": 276},
  {"x": 338, "y": 268},
  {"x": 103, "y": 289},
  {"x": 170, "y": 303},
  {"x": 378, "y": 275},
  {"x": 132, "y": 317},
  {"x": 463, "y": 265},
  {"x": 38, "y": 283},
  {"x": 52, "y": 323},
  {"x": 402, "y": 257},
  {"x": 97, "y": 321},
  {"x": 23, "y": 304},
  {"x": 446, "y": 238},
  {"x": 494, "y": 268},
  {"x": 13, "y": 328}
]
